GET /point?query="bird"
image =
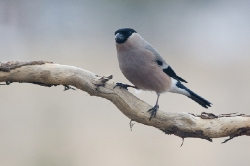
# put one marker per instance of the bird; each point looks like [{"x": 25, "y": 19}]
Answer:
[{"x": 146, "y": 69}]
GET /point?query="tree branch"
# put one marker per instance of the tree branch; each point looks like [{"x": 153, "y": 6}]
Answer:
[{"x": 204, "y": 126}]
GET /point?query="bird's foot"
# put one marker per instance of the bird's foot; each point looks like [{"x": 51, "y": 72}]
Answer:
[
  {"x": 67, "y": 87},
  {"x": 153, "y": 111},
  {"x": 124, "y": 86}
]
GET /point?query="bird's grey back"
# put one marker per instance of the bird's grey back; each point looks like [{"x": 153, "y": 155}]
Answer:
[{"x": 157, "y": 55}]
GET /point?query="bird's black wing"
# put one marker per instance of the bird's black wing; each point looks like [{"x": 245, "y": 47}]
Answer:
[
  {"x": 170, "y": 72},
  {"x": 165, "y": 67}
]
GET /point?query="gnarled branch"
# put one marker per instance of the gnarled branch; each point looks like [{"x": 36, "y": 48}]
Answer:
[{"x": 204, "y": 126}]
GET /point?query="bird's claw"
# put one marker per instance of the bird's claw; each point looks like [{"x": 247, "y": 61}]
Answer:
[
  {"x": 67, "y": 87},
  {"x": 124, "y": 86},
  {"x": 153, "y": 111}
]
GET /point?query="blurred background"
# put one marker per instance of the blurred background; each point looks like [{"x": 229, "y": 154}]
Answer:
[{"x": 206, "y": 42}]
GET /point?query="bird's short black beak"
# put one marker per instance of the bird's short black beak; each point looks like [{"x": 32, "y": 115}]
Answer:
[{"x": 119, "y": 38}]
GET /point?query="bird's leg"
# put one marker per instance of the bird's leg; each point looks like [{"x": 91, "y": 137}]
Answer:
[
  {"x": 124, "y": 86},
  {"x": 155, "y": 108}
]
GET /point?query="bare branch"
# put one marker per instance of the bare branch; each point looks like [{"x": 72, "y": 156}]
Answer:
[{"x": 204, "y": 126}]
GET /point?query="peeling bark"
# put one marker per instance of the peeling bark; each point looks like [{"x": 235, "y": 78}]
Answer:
[{"x": 185, "y": 125}]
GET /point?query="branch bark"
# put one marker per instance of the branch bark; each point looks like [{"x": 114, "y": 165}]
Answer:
[{"x": 204, "y": 126}]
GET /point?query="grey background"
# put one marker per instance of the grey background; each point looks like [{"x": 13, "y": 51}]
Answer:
[{"x": 206, "y": 42}]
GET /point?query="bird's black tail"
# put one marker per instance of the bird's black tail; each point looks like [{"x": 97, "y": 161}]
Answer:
[{"x": 203, "y": 102}]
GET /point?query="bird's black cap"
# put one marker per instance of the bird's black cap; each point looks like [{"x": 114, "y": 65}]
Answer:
[{"x": 121, "y": 35}]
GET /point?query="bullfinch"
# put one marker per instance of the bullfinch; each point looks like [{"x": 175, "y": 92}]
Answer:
[{"x": 146, "y": 69}]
